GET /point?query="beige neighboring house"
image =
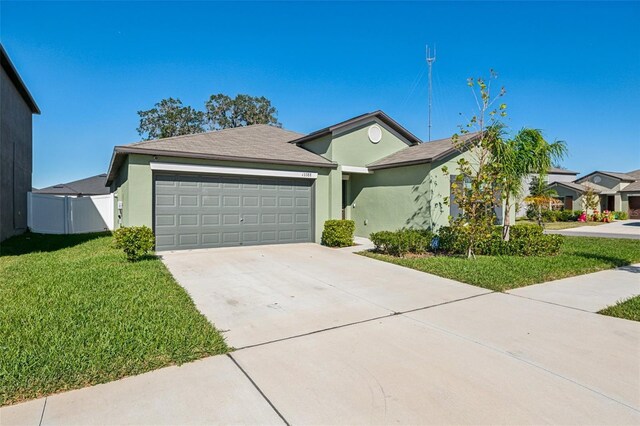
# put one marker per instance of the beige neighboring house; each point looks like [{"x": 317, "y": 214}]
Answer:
[
  {"x": 616, "y": 191},
  {"x": 555, "y": 174}
]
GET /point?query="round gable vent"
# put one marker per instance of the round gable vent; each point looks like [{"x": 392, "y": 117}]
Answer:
[
  {"x": 375, "y": 134},
  {"x": 597, "y": 179}
]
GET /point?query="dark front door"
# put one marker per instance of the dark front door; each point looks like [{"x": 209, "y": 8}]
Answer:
[
  {"x": 611, "y": 203},
  {"x": 568, "y": 202},
  {"x": 193, "y": 211}
]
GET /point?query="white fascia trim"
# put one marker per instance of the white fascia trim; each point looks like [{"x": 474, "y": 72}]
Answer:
[
  {"x": 191, "y": 168},
  {"x": 355, "y": 169}
]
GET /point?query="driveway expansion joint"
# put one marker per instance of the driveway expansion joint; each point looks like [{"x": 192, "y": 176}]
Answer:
[
  {"x": 392, "y": 314},
  {"x": 255, "y": 385}
]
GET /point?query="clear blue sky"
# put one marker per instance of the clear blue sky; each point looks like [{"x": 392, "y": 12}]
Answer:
[{"x": 570, "y": 69}]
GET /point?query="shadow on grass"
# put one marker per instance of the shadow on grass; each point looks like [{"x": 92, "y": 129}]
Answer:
[
  {"x": 616, "y": 261},
  {"x": 33, "y": 243}
]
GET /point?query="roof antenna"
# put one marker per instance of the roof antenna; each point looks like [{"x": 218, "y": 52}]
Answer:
[{"x": 430, "y": 61}]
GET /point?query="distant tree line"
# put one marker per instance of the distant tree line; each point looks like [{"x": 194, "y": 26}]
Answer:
[{"x": 170, "y": 117}]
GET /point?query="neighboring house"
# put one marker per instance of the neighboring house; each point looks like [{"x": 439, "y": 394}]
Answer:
[
  {"x": 616, "y": 191},
  {"x": 263, "y": 185},
  {"x": 555, "y": 174},
  {"x": 94, "y": 185},
  {"x": 16, "y": 110}
]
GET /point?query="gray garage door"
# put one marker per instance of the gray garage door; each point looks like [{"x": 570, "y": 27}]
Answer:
[{"x": 193, "y": 211}]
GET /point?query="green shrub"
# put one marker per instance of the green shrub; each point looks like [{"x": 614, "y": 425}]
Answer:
[
  {"x": 620, "y": 215},
  {"x": 403, "y": 241},
  {"x": 338, "y": 233},
  {"x": 135, "y": 241},
  {"x": 525, "y": 240}
]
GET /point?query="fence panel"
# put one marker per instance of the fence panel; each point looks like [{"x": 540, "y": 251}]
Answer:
[{"x": 53, "y": 214}]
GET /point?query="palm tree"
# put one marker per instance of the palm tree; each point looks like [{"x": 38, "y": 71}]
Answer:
[
  {"x": 528, "y": 152},
  {"x": 540, "y": 196}
]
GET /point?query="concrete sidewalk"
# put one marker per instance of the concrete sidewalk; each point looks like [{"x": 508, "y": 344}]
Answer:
[
  {"x": 628, "y": 229},
  {"x": 591, "y": 292}
]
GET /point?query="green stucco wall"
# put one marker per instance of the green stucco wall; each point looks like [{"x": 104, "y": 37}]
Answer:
[
  {"x": 134, "y": 187},
  {"x": 403, "y": 197},
  {"x": 352, "y": 147}
]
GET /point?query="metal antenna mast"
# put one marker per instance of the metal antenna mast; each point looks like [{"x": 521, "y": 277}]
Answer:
[{"x": 430, "y": 61}]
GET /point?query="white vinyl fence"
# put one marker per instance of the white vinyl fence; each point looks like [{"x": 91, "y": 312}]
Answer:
[{"x": 56, "y": 214}]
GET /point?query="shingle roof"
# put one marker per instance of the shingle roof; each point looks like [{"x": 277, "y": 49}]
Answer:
[
  {"x": 94, "y": 185},
  {"x": 13, "y": 75},
  {"x": 259, "y": 143},
  {"x": 559, "y": 171},
  {"x": 632, "y": 187},
  {"x": 634, "y": 173},
  {"x": 414, "y": 140},
  {"x": 571, "y": 185},
  {"x": 617, "y": 175},
  {"x": 421, "y": 153}
]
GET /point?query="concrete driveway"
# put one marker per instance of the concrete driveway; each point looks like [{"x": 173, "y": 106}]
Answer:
[
  {"x": 329, "y": 337},
  {"x": 266, "y": 293}
]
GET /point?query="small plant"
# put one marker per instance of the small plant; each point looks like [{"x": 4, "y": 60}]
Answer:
[
  {"x": 338, "y": 233},
  {"x": 620, "y": 215},
  {"x": 135, "y": 241}
]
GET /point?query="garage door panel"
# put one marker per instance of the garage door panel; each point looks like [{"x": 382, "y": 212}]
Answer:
[
  {"x": 193, "y": 211},
  {"x": 210, "y": 219}
]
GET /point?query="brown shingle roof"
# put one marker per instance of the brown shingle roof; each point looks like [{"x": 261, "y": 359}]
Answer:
[
  {"x": 632, "y": 187},
  {"x": 421, "y": 153},
  {"x": 560, "y": 171},
  {"x": 259, "y": 143}
]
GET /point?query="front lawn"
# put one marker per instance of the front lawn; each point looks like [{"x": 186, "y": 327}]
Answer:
[
  {"x": 628, "y": 309},
  {"x": 561, "y": 225},
  {"x": 578, "y": 255},
  {"x": 74, "y": 312}
]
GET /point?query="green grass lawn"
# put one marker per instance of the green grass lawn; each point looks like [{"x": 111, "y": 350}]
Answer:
[
  {"x": 579, "y": 255},
  {"x": 74, "y": 312},
  {"x": 628, "y": 309},
  {"x": 561, "y": 225}
]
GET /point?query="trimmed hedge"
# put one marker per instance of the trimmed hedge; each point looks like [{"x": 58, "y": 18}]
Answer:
[
  {"x": 620, "y": 215},
  {"x": 338, "y": 233},
  {"x": 135, "y": 241},
  {"x": 403, "y": 241},
  {"x": 525, "y": 240}
]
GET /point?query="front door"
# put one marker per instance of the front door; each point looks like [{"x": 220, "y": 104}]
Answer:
[
  {"x": 611, "y": 203},
  {"x": 345, "y": 197},
  {"x": 568, "y": 202}
]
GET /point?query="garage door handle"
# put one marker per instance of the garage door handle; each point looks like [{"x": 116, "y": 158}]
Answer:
[{"x": 242, "y": 219}]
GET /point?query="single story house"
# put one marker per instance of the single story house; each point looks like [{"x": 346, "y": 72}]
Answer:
[
  {"x": 17, "y": 108},
  {"x": 94, "y": 185},
  {"x": 554, "y": 174},
  {"x": 616, "y": 191},
  {"x": 263, "y": 185}
]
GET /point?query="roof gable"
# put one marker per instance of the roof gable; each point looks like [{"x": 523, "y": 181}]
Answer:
[
  {"x": 616, "y": 175},
  {"x": 410, "y": 138}
]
